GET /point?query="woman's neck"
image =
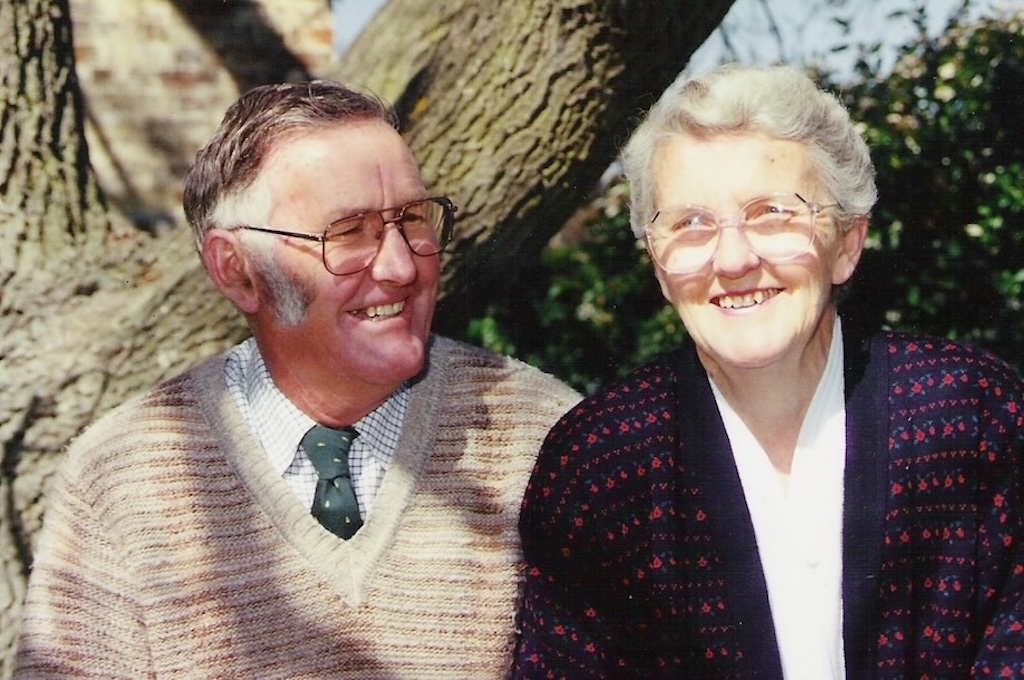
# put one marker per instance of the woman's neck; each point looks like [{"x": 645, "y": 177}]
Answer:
[{"x": 772, "y": 400}]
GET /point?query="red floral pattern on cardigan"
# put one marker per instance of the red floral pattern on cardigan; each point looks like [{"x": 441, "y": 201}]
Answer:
[{"x": 640, "y": 555}]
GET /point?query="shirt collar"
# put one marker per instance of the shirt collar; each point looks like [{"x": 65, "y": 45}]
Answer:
[{"x": 280, "y": 425}]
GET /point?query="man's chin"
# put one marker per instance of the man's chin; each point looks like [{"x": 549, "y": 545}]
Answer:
[{"x": 399, "y": 360}]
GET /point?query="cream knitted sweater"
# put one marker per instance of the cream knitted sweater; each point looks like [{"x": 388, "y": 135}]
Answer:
[{"x": 172, "y": 550}]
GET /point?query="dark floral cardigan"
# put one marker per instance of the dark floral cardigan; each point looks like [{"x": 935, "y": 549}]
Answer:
[{"x": 641, "y": 560}]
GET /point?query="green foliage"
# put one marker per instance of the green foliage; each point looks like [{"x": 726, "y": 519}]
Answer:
[
  {"x": 590, "y": 309},
  {"x": 947, "y": 242},
  {"x": 946, "y": 251}
]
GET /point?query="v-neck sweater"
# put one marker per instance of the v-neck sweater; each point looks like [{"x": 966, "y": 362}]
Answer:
[{"x": 171, "y": 547}]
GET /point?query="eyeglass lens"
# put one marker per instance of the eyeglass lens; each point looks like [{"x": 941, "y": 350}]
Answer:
[
  {"x": 777, "y": 228},
  {"x": 351, "y": 244}
]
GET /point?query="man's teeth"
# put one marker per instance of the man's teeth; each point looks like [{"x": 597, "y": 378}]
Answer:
[
  {"x": 747, "y": 299},
  {"x": 384, "y": 311}
]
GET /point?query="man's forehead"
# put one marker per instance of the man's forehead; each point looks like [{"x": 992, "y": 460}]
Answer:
[{"x": 350, "y": 168}]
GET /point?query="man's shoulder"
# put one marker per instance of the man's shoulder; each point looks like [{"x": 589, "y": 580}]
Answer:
[
  {"x": 467, "y": 362},
  {"x": 173, "y": 401}
]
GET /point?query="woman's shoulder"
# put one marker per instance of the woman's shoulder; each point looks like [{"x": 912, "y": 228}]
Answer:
[
  {"x": 915, "y": 349},
  {"x": 643, "y": 399},
  {"x": 922, "y": 361}
]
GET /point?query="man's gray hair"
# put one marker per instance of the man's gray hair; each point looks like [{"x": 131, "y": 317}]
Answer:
[{"x": 231, "y": 162}]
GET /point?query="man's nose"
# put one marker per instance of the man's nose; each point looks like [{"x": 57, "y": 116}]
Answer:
[{"x": 394, "y": 259}]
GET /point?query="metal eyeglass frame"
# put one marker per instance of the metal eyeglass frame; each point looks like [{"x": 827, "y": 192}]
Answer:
[
  {"x": 444, "y": 237},
  {"x": 736, "y": 222}
]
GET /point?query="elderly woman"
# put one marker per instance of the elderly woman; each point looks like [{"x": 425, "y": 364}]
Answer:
[{"x": 783, "y": 497}]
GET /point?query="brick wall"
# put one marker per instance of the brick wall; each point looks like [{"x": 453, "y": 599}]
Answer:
[{"x": 157, "y": 76}]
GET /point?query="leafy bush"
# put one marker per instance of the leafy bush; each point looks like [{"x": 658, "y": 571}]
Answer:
[
  {"x": 946, "y": 250},
  {"x": 947, "y": 241},
  {"x": 590, "y": 309}
]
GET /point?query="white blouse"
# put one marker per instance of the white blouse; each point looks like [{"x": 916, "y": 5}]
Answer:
[{"x": 799, "y": 530}]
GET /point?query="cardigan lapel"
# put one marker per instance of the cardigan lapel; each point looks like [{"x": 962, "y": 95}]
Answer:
[
  {"x": 711, "y": 464},
  {"x": 866, "y": 373},
  {"x": 709, "y": 461}
]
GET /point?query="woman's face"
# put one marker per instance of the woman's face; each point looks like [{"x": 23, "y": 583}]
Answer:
[{"x": 744, "y": 312}]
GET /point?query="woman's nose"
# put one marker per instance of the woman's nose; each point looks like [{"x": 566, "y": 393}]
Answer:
[{"x": 733, "y": 255}]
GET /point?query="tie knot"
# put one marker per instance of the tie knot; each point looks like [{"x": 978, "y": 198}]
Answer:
[{"x": 327, "y": 449}]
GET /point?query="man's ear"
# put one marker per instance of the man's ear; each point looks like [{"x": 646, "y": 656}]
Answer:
[
  {"x": 850, "y": 248},
  {"x": 231, "y": 270}
]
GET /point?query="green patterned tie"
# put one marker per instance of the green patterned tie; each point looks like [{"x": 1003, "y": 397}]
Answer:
[{"x": 334, "y": 503}]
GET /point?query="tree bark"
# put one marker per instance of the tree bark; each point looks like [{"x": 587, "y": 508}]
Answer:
[
  {"x": 91, "y": 310},
  {"x": 514, "y": 110},
  {"x": 50, "y": 211}
]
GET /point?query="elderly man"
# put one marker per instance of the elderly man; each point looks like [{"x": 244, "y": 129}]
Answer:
[{"x": 337, "y": 496}]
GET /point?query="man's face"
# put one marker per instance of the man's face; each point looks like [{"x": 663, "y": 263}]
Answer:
[{"x": 364, "y": 334}]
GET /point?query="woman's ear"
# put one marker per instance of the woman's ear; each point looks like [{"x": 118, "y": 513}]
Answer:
[
  {"x": 230, "y": 269},
  {"x": 851, "y": 247}
]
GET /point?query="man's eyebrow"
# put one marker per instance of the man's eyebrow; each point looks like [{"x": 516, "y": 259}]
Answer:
[
  {"x": 356, "y": 211},
  {"x": 349, "y": 211}
]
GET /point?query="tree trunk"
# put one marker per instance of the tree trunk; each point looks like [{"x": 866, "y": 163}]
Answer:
[
  {"x": 91, "y": 310},
  {"x": 513, "y": 108},
  {"x": 51, "y": 216}
]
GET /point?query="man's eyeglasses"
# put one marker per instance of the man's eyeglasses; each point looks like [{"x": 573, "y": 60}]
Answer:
[
  {"x": 350, "y": 244},
  {"x": 778, "y": 228}
]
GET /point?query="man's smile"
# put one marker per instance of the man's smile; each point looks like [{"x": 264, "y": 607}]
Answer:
[{"x": 381, "y": 312}]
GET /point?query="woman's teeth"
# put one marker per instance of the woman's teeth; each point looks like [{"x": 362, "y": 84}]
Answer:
[{"x": 746, "y": 299}]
